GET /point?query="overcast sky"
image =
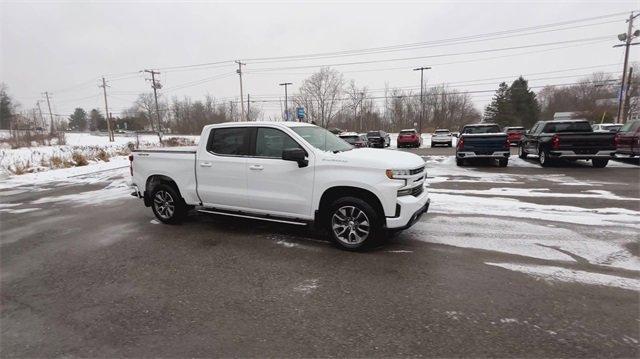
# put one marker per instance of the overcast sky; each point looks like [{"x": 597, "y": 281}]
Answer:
[{"x": 65, "y": 47}]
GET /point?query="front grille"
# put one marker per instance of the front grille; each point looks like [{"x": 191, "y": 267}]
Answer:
[
  {"x": 416, "y": 171},
  {"x": 417, "y": 191}
]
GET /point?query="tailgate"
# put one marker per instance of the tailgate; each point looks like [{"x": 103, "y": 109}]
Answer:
[
  {"x": 590, "y": 142},
  {"x": 485, "y": 143}
]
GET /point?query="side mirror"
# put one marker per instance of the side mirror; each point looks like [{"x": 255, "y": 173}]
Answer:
[{"x": 296, "y": 155}]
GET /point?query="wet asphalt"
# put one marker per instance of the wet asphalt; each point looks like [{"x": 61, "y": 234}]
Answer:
[{"x": 104, "y": 280}]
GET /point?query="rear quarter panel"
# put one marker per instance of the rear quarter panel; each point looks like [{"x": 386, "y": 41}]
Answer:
[{"x": 179, "y": 166}]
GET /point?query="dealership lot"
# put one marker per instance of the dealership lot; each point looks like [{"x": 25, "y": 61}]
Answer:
[{"x": 516, "y": 261}]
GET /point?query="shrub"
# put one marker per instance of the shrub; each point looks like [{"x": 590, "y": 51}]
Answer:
[
  {"x": 56, "y": 161},
  {"x": 79, "y": 159},
  {"x": 102, "y": 155}
]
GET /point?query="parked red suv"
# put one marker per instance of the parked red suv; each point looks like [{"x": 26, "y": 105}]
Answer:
[
  {"x": 628, "y": 139},
  {"x": 514, "y": 134},
  {"x": 409, "y": 138}
]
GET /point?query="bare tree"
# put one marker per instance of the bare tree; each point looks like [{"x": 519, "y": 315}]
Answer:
[{"x": 320, "y": 96}]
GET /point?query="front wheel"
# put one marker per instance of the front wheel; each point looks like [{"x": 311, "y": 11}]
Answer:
[
  {"x": 503, "y": 162},
  {"x": 459, "y": 162},
  {"x": 167, "y": 205},
  {"x": 353, "y": 224},
  {"x": 521, "y": 152},
  {"x": 599, "y": 163}
]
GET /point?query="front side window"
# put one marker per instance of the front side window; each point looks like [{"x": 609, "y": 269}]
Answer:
[
  {"x": 322, "y": 139},
  {"x": 233, "y": 141},
  {"x": 270, "y": 142},
  {"x": 631, "y": 126}
]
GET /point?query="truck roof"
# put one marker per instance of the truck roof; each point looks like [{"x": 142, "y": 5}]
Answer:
[
  {"x": 260, "y": 123},
  {"x": 480, "y": 124}
]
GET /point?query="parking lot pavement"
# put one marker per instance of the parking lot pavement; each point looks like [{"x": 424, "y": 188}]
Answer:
[{"x": 517, "y": 261}]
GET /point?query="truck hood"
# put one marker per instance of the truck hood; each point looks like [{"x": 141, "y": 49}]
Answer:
[{"x": 376, "y": 158}]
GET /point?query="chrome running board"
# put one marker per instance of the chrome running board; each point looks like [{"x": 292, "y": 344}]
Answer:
[{"x": 269, "y": 219}]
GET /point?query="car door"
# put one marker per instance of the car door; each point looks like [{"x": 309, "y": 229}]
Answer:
[
  {"x": 532, "y": 138},
  {"x": 221, "y": 168},
  {"x": 276, "y": 186}
]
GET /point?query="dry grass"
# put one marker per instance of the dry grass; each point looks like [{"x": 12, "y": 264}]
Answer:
[
  {"x": 102, "y": 155},
  {"x": 79, "y": 159}
]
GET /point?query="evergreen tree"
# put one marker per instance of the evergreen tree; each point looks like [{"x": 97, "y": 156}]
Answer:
[
  {"x": 499, "y": 111},
  {"x": 78, "y": 120},
  {"x": 524, "y": 103},
  {"x": 6, "y": 108},
  {"x": 97, "y": 122}
]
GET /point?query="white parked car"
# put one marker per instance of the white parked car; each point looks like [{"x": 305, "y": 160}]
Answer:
[
  {"x": 286, "y": 172},
  {"x": 442, "y": 137},
  {"x": 606, "y": 127}
]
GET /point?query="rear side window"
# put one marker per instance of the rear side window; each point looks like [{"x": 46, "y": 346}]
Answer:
[
  {"x": 442, "y": 132},
  {"x": 270, "y": 142},
  {"x": 481, "y": 129},
  {"x": 233, "y": 141},
  {"x": 555, "y": 127}
]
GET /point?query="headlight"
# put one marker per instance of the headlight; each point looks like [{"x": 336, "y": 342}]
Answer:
[{"x": 394, "y": 174}]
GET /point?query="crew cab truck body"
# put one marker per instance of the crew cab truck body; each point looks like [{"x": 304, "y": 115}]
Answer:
[
  {"x": 482, "y": 141},
  {"x": 568, "y": 140},
  {"x": 285, "y": 172},
  {"x": 628, "y": 139}
]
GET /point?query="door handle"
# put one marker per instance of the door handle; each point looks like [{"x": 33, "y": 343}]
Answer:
[
  {"x": 256, "y": 168},
  {"x": 205, "y": 164}
]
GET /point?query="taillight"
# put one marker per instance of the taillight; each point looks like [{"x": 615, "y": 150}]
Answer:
[
  {"x": 616, "y": 140},
  {"x": 555, "y": 141},
  {"x": 460, "y": 144},
  {"x": 507, "y": 144},
  {"x": 131, "y": 164}
]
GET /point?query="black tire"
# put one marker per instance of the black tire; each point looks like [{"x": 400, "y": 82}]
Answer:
[
  {"x": 521, "y": 152},
  {"x": 167, "y": 204},
  {"x": 459, "y": 162},
  {"x": 347, "y": 220},
  {"x": 503, "y": 162},
  {"x": 599, "y": 163},
  {"x": 543, "y": 158}
]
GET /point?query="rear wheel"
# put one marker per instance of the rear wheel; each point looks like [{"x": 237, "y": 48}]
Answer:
[
  {"x": 599, "y": 163},
  {"x": 543, "y": 158},
  {"x": 353, "y": 224},
  {"x": 521, "y": 152},
  {"x": 167, "y": 204}
]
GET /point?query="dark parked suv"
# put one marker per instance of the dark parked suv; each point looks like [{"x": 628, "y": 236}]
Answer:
[
  {"x": 628, "y": 139},
  {"x": 378, "y": 139}
]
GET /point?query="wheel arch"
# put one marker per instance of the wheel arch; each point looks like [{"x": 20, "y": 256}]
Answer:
[
  {"x": 154, "y": 180},
  {"x": 333, "y": 193}
]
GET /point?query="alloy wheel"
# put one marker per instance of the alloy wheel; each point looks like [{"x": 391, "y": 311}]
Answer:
[
  {"x": 164, "y": 204},
  {"x": 350, "y": 225}
]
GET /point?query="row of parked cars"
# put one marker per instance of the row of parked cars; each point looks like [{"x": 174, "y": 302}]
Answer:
[
  {"x": 550, "y": 141},
  {"x": 406, "y": 138}
]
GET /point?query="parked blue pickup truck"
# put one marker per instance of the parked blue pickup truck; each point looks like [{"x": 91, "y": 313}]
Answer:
[{"x": 482, "y": 141}]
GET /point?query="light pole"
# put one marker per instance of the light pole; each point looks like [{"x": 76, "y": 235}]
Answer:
[
  {"x": 286, "y": 109},
  {"x": 421, "y": 69}
]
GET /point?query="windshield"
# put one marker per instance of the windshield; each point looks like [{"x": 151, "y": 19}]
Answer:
[
  {"x": 631, "y": 126},
  {"x": 612, "y": 128},
  {"x": 407, "y": 132},
  {"x": 322, "y": 139},
  {"x": 373, "y": 134},
  {"x": 481, "y": 129},
  {"x": 555, "y": 127}
]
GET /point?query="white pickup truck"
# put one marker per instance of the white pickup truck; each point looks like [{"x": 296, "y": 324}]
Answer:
[{"x": 286, "y": 172}]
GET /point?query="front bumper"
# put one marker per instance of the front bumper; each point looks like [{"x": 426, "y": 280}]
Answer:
[
  {"x": 497, "y": 154},
  {"x": 410, "y": 209}
]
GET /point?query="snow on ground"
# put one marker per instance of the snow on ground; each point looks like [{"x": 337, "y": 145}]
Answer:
[
  {"x": 559, "y": 274},
  {"x": 38, "y": 158}
]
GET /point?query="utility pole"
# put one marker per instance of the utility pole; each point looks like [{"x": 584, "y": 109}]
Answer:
[
  {"x": 627, "y": 38},
  {"x": 231, "y": 111},
  {"x": 239, "y": 71},
  {"x": 361, "y": 111},
  {"x": 50, "y": 114},
  {"x": 421, "y": 69},
  {"x": 248, "y": 107},
  {"x": 286, "y": 107},
  {"x": 106, "y": 109},
  {"x": 155, "y": 86},
  {"x": 625, "y": 109},
  {"x": 40, "y": 111}
]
